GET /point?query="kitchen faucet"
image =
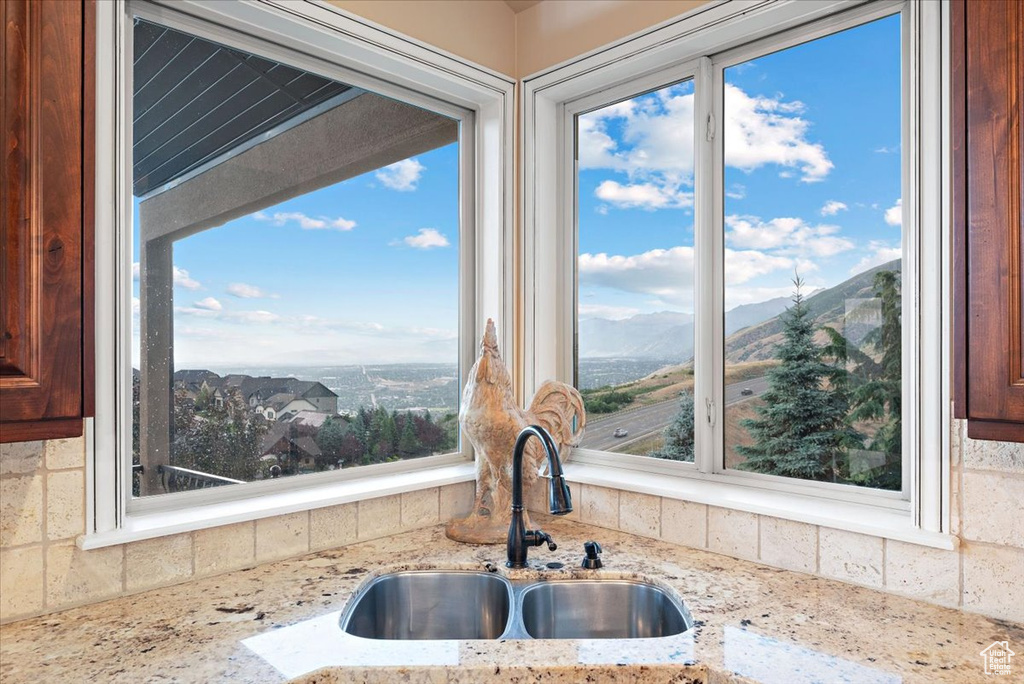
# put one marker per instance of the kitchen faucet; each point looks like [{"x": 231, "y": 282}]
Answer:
[{"x": 559, "y": 498}]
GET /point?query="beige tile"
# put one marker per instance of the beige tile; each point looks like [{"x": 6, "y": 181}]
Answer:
[
  {"x": 684, "y": 522},
  {"x": 65, "y": 453},
  {"x": 600, "y": 506},
  {"x": 21, "y": 581},
  {"x": 380, "y": 517},
  {"x": 992, "y": 581},
  {"x": 992, "y": 508},
  {"x": 282, "y": 536},
  {"x": 333, "y": 526},
  {"x": 733, "y": 533},
  {"x": 156, "y": 562},
  {"x": 21, "y": 510},
  {"x": 457, "y": 500},
  {"x": 74, "y": 576},
  {"x": 789, "y": 544},
  {"x": 932, "y": 575},
  {"x": 224, "y": 548},
  {"x": 65, "y": 504},
  {"x": 420, "y": 508},
  {"x": 992, "y": 455},
  {"x": 850, "y": 557},
  {"x": 640, "y": 514},
  {"x": 21, "y": 458}
]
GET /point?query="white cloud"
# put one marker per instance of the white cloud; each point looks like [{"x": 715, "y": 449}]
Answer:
[
  {"x": 761, "y": 130},
  {"x": 181, "y": 277},
  {"x": 894, "y": 214},
  {"x": 306, "y": 222},
  {"x": 878, "y": 253},
  {"x": 833, "y": 207},
  {"x": 647, "y": 196},
  {"x": 204, "y": 309},
  {"x": 427, "y": 238},
  {"x": 785, "y": 235},
  {"x": 668, "y": 273},
  {"x": 245, "y": 291},
  {"x": 650, "y": 139},
  {"x": 210, "y": 304},
  {"x": 401, "y": 176},
  {"x": 736, "y": 191},
  {"x": 657, "y": 133}
]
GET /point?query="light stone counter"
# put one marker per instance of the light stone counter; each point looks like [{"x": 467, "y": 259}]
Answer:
[{"x": 275, "y": 621}]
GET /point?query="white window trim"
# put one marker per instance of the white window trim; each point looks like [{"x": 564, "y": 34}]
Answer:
[
  {"x": 665, "y": 54},
  {"x": 323, "y": 38}
]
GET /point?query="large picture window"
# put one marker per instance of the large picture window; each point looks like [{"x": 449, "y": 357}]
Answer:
[{"x": 741, "y": 261}]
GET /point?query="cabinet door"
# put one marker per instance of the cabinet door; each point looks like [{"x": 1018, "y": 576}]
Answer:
[
  {"x": 988, "y": 186},
  {"x": 46, "y": 267}
]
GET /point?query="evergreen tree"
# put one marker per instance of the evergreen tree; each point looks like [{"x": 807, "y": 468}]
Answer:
[
  {"x": 330, "y": 436},
  {"x": 875, "y": 381},
  {"x": 408, "y": 445},
  {"x": 679, "y": 434},
  {"x": 801, "y": 429}
]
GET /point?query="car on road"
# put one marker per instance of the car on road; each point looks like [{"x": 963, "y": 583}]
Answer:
[
  {"x": 620, "y": 432},
  {"x": 746, "y": 391}
]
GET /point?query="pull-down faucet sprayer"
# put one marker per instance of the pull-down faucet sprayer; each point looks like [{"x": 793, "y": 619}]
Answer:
[{"x": 559, "y": 498}]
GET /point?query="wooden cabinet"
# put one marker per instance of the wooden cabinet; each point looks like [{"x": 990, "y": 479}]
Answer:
[
  {"x": 988, "y": 189},
  {"x": 46, "y": 270}
]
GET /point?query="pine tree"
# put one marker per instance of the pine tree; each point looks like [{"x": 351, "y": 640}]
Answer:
[
  {"x": 679, "y": 434},
  {"x": 801, "y": 429},
  {"x": 876, "y": 383},
  {"x": 408, "y": 445}
]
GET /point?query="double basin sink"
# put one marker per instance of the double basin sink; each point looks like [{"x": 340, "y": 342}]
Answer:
[{"x": 431, "y": 604}]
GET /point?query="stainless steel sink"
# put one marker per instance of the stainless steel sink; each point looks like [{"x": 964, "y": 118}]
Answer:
[
  {"x": 600, "y": 609},
  {"x": 431, "y": 605}
]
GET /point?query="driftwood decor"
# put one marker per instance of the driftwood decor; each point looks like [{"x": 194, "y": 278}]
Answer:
[{"x": 492, "y": 420}]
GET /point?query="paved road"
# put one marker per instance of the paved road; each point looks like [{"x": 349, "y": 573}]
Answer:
[{"x": 652, "y": 419}]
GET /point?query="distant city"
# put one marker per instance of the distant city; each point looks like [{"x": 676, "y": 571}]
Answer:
[{"x": 409, "y": 386}]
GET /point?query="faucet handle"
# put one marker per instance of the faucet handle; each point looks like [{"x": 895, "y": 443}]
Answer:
[
  {"x": 592, "y": 557},
  {"x": 542, "y": 537}
]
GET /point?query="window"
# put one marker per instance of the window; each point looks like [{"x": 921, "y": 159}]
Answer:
[
  {"x": 287, "y": 294},
  {"x": 295, "y": 244},
  {"x": 752, "y": 220},
  {"x": 635, "y": 300}
]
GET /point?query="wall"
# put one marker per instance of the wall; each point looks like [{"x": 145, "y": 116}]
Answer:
[
  {"x": 483, "y": 32},
  {"x": 983, "y": 576},
  {"x": 554, "y": 31},
  {"x": 42, "y": 511}
]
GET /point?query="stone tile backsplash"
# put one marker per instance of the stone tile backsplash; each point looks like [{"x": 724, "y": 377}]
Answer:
[{"x": 42, "y": 511}]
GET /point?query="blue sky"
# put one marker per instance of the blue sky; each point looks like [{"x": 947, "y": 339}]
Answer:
[
  {"x": 812, "y": 178},
  {"x": 364, "y": 271}
]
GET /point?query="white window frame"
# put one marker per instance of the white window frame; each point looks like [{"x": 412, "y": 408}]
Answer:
[
  {"x": 700, "y": 44},
  {"x": 327, "y": 40}
]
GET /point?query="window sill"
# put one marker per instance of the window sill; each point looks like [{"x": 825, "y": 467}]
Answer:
[
  {"x": 138, "y": 527},
  {"x": 876, "y": 521}
]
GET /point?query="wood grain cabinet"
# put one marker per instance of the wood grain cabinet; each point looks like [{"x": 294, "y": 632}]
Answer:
[
  {"x": 46, "y": 270},
  {"x": 988, "y": 189}
]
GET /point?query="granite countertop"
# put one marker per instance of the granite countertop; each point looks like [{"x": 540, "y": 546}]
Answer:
[{"x": 280, "y": 620}]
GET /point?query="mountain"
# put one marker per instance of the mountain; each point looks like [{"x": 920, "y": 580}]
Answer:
[
  {"x": 828, "y": 307},
  {"x": 663, "y": 335},
  {"x": 752, "y": 330},
  {"x": 746, "y": 315}
]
